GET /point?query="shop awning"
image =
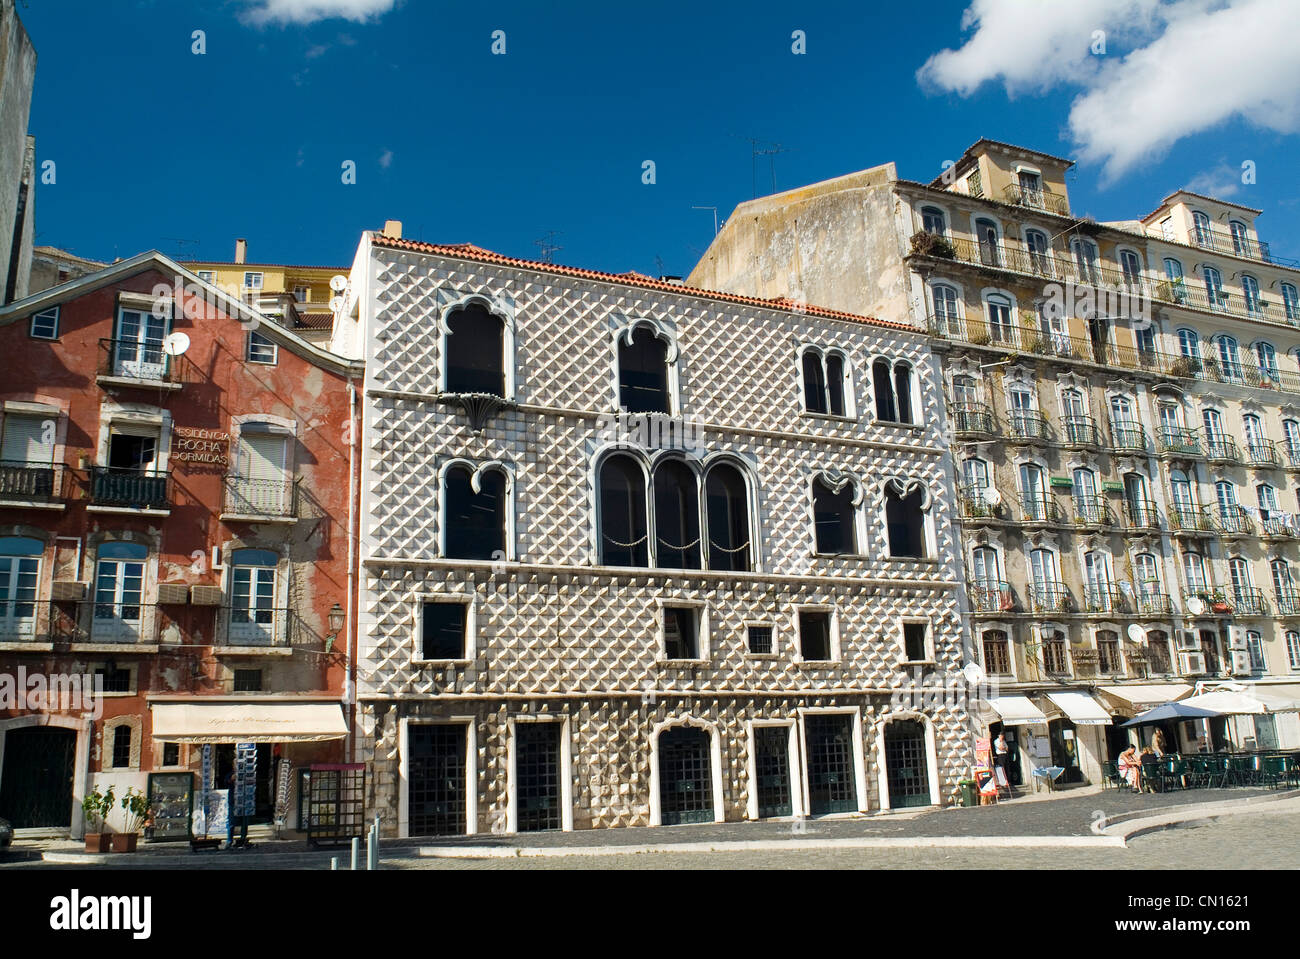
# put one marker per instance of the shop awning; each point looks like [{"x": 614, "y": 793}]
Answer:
[
  {"x": 251, "y": 722},
  {"x": 1016, "y": 710},
  {"x": 1081, "y": 708},
  {"x": 1139, "y": 697}
]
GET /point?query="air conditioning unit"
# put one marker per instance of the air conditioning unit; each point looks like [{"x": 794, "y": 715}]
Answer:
[
  {"x": 1187, "y": 640},
  {"x": 173, "y": 594},
  {"x": 206, "y": 595},
  {"x": 1191, "y": 664},
  {"x": 1237, "y": 638},
  {"x": 1240, "y": 663},
  {"x": 68, "y": 591}
]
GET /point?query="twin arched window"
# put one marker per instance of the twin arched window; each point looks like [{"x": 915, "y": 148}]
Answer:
[
  {"x": 835, "y": 527},
  {"x": 905, "y": 519},
  {"x": 474, "y": 512},
  {"x": 824, "y": 380},
  {"x": 679, "y": 515},
  {"x": 893, "y": 386}
]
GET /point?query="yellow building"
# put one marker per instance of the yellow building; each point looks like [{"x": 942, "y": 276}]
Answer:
[{"x": 299, "y": 295}]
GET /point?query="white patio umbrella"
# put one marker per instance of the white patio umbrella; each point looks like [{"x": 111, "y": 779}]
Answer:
[{"x": 1227, "y": 702}]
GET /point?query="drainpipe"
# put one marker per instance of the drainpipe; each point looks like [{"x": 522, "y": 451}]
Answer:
[{"x": 350, "y": 683}]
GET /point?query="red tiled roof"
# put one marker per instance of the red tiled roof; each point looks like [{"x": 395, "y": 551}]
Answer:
[
  {"x": 469, "y": 251},
  {"x": 315, "y": 321}
]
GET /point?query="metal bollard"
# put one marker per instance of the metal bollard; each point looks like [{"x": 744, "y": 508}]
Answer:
[
  {"x": 334, "y": 863},
  {"x": 372, "y": 848},
  {"x": 356, "y": 851}
]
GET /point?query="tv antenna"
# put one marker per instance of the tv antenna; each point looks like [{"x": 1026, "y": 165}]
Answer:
[
  {"x": 180, "y": 247},
  {"x": 548, "y": 246},
  {"x": 760, "y": 148},
  {"x": 715, "y": 216}
]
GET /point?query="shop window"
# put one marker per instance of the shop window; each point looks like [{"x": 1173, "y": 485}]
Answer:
[
  {"x": 474, "y": 520},
  {"x": 815, "y": 635},
  {"x": 475, "y": 351},
  {"x": 643, "y": 373},
  {"x": 444, "y": 630}
]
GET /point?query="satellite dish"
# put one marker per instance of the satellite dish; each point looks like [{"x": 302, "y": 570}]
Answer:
[
  {"x": 1137, "y": 633},
  {"x": 336, "y": 304},
  {"x": 974, "y": 673},
  {"x": 176, "y": 344},
  {"x": 339, "y": 283},
  {"x": 1196, "y": 606},
  {"x": 992, "y": 497}
]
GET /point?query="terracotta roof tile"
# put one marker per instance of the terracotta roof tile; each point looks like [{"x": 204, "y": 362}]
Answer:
[{"x": 471, "y": 252}]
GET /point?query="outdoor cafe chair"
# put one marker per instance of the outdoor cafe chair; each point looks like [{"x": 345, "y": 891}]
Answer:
[
  {"x": 1199, "y": 772},
  {"x": 1174, "y": 773},
  {"x": 1241, "y": 770},
  {"x": 1151, "y": 774},
  {"x": 1110, "y": 776},
  {"x": 1272, "y": 771}
]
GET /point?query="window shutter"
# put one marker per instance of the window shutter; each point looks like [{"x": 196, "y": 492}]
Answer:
[
  {"x": 24, "y": 440},
  {"x": 262, "y": 456}
]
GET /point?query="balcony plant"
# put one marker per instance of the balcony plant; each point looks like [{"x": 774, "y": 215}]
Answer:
[
  {"x": 96, "y": 806},
  {"x": 1184, "y": 366},
  {"x": 136, "y": 806},
  {"x": 932, "y": 244}
]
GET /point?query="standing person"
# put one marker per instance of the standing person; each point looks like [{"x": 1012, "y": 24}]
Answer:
[
  {"x": 232, "y": 783},
  {"x": 1158, "y": 743}
]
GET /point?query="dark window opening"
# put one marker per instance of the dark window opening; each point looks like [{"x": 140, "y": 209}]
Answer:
[
  {"x": 885, "y": 407},
  {"x": 814, "y": 384},
  {"x": 623, "y": 537},
  {"x": 126, "y": 452},
  {"x": 680, "y": 639},
  {"x": 760, "y": 640},
  {"x": 914, "y": 635},
  {"x": 475, "y": 351},
  {"x": 833, "y": 518},
  {"x": 115, "y": 680},
  {"x": 906, "y": 521},
  {"x": 121, "y": 747},
  {"x": 727, "y": 502},
  {"x": 835, "y": 383},
  {"x": 903, "y": 392},
  {"x": 171, "y": 754},
  {"x": 443, "y": 631},
  {"x": 677, "y": 516},
  {"x": 248, "y": 681},
  {"x": 643, "y": 374},
  {"x": 814, "y": 635},
  {"x": 476, "y": 522}
]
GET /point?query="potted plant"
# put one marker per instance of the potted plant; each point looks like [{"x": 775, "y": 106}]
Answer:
[
  {"x": 96, "y": 807},
  {"x": 932, "y": 244},
  {"x": 136, "y": 806}
]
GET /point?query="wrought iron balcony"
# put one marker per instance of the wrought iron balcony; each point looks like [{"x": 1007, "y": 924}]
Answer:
[
  {"x": 1262, "y": 454},
  {"x": 971, "y": 418},
  {"x": 990, "y": 596},
  {"x": 1248, "y": 601},
  {"x": 134, "y": 360},
  {"x": 1288, "y": 602},
  {"x": 1091, "y": 511},
  {"x": 1049, "y": 598},
  {"x": 1039, "y": 509},
  {"x": 1028, "y": 425},
  {"x": 1128, "y": 438},
  {"x": 255, "y": 497},
  {"x": 1179, "y": 441},
  {"x": 41, "y": 482},
  {"x": 1141, "y": 514},
  {"x": 973, "y": 503},
  {"x": 125, "y": 623},
  {"x": 1292, "y": 453},
  {"x": 1277, "y": 527},
  {"x": 1152, "y": 603},
  {"x": 1186, "y": 518},
  {"x": 1104, "y": 599},
  {"x": 136, "y": 489},
  {"x": 1233, "y": 521},
  {"x": 1080, "y": 431},
  {"x": 1215, "y": 600},
  {"x": 1037, "y": 199},
  {"x": 1220, "y": 448},
  {"x": 1225, "y": 241},
  {"x": 256, "y": 627}
]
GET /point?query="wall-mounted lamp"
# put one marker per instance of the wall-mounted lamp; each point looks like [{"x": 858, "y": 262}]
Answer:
[{"x": 335, "y": 620}]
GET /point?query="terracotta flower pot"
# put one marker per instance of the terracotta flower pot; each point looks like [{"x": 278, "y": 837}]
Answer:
[
  {"x": 124, "y": 841},
  {"x": 97, "y": 842}
]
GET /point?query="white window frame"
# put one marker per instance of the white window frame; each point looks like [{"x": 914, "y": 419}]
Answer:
[
  {"x": 254, "y": 280},
  {"x": 52, "y": 316},
  {"x": 470, "y": 602},
  {"x": 703, "y": 644},
  {"x": 929, "y": 659},
  {"x": 850, "y": 401},
  {"x": 797, "y": 646},
  {"x": 471, "y": 770},
  {"x": 770, "y": 624},
  {"x": 266, "y": 342},
  {"x": 565, "y": 772}
]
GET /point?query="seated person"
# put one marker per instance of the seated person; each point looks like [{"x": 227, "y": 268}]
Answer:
[{"x": 1129, "y": 766}]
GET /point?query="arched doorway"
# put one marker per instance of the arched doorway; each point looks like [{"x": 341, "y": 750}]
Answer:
[
  {"x": 685, "y": 776},
  {"x": 906, "y": 765},
  {"x": 37, "y": 782}
]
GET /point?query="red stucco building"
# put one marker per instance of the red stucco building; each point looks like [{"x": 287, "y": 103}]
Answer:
[{"x": 174, "y": 519}]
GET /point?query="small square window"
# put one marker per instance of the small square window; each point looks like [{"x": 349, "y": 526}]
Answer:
[
  {"x": 207, "y": 276},
  {"x": 115, "y": 680},
  {"x": 814, "y": 635},
  {"x": 252, "y": 281},
  {"x": 171, "y": 754},
  {"x": 915, "y": 645},
  {"x": 760, "y": 640},
  {"x": 681, "y": 633},
  {"x": 443, "y": 631},
  {"x": 261, "y": 350},
  {"x": 248, "y": 681},
  {"x": 45, "y": 324},
  {"x": 300, "y": 294}
]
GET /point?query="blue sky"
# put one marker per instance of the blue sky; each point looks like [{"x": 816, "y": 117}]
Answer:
[{"x": 156, "y": 145}]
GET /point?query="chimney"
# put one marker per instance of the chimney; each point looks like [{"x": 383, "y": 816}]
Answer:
[
  {"x": 393, "y": 229},
  {"x": 241, "y": 251}
]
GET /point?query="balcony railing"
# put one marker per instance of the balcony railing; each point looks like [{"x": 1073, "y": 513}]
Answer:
[
  {"x": 1049, "y": 598},
  {"x": 990, "y": 596},
  {"x": 31, "y": 481},
  {"x": 255, "y": 497},
  {"x": 1216, "y": 601},
  {"x": 1231, "y": 303},
  {"x": 1013, "y": 258},
  {"x": 1225, "y": 241},
  {"x": 124, "y": 623},
  {"x": 1233, "y": 521},
  {"x": 1080, "y": 431},
  {"x": 1292, "y": 453},
  {"x": 1263, "y": 454},
  {"x": 1180, "y": 441},
  {"x": 256, "y": 627},
  {"x": 973, "y": 502},
  {"x": 1141, "y": 514},
  {"x": 1104, "y": 599},
  {"x": 1128, "y": 438},
  {"x": 1278, "y": 527},
  {"x": 134, "y": 360},
  {"x": 1152, "y": 603},
  {"x": 1186, "y": 518},
  {"x": 137, "y": 489},
  {"x": 1039, "y": 509},
  {"x": 1288, "y": 602},
  {"x": 1248, "y": 601},
  {"x": 1221, "y": 448},
  {"x": 970, "y": 418},
  {"x": 1027, "y": 425},
  {"x": 1037, "y": 199},
  {"x": 1091, "y": 511}
]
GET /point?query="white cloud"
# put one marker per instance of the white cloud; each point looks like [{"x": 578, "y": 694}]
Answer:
[
  {"x": 1223, "y": 181},
  {"x": 263, "y": 12},
  {"x": 386, "y": 159},
  {"x": 1193, "y": 64}
]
